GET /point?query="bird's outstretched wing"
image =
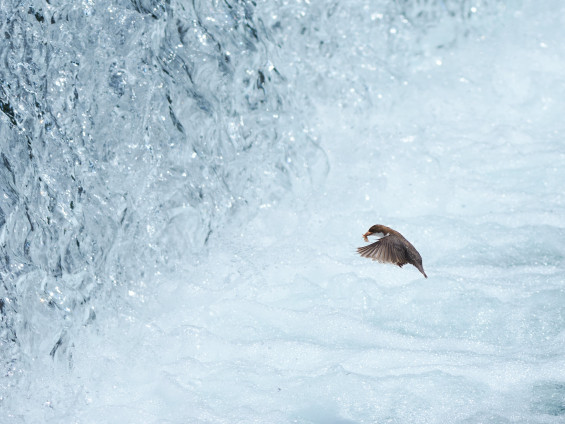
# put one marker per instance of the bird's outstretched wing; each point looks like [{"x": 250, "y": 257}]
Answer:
[{"x": 388, "y": 249}]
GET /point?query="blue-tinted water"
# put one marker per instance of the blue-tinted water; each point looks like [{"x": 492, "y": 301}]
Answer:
[{"x": 185, "y": 185}]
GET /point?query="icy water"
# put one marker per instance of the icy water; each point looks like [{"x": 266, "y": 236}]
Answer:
[{"x": 185, "y": 186}]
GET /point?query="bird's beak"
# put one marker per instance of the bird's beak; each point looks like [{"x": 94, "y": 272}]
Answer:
[{"x": 368, "y": 233}]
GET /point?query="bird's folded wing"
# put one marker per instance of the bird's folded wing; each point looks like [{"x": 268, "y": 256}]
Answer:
[{"x": 386, "y": 249}]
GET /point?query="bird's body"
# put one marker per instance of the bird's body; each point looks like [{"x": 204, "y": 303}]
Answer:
[{"x": 392, "y": 248}]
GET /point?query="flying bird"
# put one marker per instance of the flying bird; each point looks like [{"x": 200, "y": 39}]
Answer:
[{"x": 391, "y": 248}]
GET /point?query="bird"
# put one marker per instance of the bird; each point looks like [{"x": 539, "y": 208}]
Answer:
[{"x": 391, "y": 247}]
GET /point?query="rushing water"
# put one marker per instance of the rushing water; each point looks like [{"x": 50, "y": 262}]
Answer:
[{"x": 184, "y": 185}]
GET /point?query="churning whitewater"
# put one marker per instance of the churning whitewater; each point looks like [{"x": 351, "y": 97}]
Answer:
[{"x": 185, "y": 185}]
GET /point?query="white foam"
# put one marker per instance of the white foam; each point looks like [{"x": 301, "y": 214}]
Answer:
[{"x": 281, "y": 321}]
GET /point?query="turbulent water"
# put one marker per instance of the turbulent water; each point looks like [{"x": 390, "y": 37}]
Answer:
[{"x": 184, "y": 185}]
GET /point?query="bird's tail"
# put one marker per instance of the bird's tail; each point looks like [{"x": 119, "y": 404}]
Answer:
[{"x": 421, "y": 269}]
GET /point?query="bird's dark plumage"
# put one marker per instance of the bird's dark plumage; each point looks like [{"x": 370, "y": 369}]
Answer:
[{"x": 392, "y": 248}]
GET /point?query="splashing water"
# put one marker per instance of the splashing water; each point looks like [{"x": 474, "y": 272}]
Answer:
[{"x": 185, "y": 184}]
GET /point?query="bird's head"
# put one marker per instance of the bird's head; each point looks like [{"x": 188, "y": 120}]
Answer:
[{"x": 376, "y": 230}]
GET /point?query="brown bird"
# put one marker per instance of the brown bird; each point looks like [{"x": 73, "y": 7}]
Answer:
[{"x": 391, "y": 248}]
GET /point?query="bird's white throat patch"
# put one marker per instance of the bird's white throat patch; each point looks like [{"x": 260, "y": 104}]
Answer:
[{"x": 380, "y": 235}]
